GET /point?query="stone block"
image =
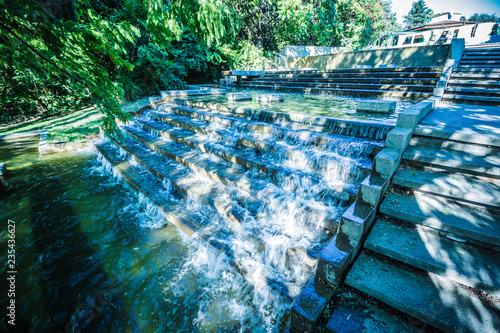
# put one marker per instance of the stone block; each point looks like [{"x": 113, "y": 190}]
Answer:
[
  {"x": 372, "y": 189},
  {"x": 409, "y": 118},
  {"x": 334, "y": 260},
  {"x": 361, "y": 66},
  {"x": 239, "y": 96},
  {"x": 441, "y": 84},
  {"x": 270, "y": 97},
  {"x": 309, "y": 306},
  {"x": 438, "y": 91},
  {"x": 356, "y": 220},
  {"x": 387, "y": 162},
  {"x": 376, "y": 106},
  {"x": 398, "y": 138}
]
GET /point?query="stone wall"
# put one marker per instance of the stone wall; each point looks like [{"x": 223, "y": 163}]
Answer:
[{"x": 434, "y": 55}]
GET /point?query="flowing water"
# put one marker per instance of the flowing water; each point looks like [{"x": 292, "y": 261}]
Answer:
[
  {"x": 91, "y": 256},
  {"x": 94, "y": 256}
]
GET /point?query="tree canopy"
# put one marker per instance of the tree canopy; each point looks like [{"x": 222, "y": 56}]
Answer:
[
  {"x": 60, "y": 55},
  {"x": 418, "y": 15},
  {"x": 484, "y": 18}
]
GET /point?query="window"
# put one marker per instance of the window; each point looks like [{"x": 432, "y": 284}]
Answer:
[
  {"x": 407, "y": 40},
  {"x": 418, "y": 39},
  {"x": 395, "y": 40},
  {"x": 455, "y": 33}
]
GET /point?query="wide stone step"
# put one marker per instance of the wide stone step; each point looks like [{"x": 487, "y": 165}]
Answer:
[
  {"x": 278, "y": 173},
  {"x": 473, "y": 91},
  {"x": 187, "y": 181},
  {"x": 458, "y": 146},
  {"x": 360, "y": 73},
  {"x": 343, "y": 92},
  {"x": 467, "y": 57},
  {"x": 486, "y": 75},
  {"x": 360, "y": 86},
  {"x": 365, "y": 80},
  {"x": 466, "y": 135},
  {"x": 467, "y": 222},
  {"x": 356, "y": 312},
  {"x": 455, "y": 161},
  {"x": 430, "y": 298},
  {"x": 475, "y": 83},
  {"x": 485, "y": 65},
  {"x": 146, "y": 183},
  {"x": 290, "y": 124},
  {"x": 320, "y": 163},
  {"x": 452, "y": 186},
  {"x": 255, "y": 190},
  {"x": 484, "y": 61},
  {"x": 425, "y": 249},
  {"x": 471, "y": 99},
  {"x": 362, "y": 70},
  {"x": 481, "y": 51}
]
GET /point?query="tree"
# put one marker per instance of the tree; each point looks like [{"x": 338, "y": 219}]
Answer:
[
  {"x": 418, "y": 15},
  {"x": 484, "y": 18},
  {"x": 83, "y": 45}
]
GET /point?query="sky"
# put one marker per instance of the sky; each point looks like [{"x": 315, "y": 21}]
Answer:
[{"x": 465, "y": 7}]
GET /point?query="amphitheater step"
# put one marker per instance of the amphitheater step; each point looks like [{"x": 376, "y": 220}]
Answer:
[
  {"x": 485, "y": 75},
  {"x": 455, "y": 161},
  {"x": 488, "y": 65},
  {"x": 362, "y": 80},
  {"x": 431, "y": 298},
  {"x": 452, "y": 186},
  {"x": 459, "y": 262},
  {"x": 343, "y": 92},
  {"x": 247, "y": 159},
  {"x": 466, "y": 135},
  {"x": 361, "y": 86},
  {"x": 458, "y": 146},
  {"x": 468, "y": 222},
  {"x": 356, "y": 312},
  {"x": 356, "y": 73},
  {"x": 474, "y": 83},
  {"x": 473, "y": 91},
  {"x": 472, "y": 99}
]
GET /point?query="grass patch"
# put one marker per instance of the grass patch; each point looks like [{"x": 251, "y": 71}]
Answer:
[
  {"x": 67, "y": 128},
  {"x": 70, "y": 127}
]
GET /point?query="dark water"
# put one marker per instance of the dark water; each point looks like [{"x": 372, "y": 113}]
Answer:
[{"x": 91, "y": 258}]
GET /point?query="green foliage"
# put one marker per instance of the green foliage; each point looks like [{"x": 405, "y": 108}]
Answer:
[
  {"x": 418, "y": 15},
  {"x": 484, "y": 18}
]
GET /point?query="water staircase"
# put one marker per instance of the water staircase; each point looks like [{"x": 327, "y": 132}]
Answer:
[{"x": 262, "y": 188}]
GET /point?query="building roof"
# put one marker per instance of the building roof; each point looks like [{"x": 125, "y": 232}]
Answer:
[{"x": 441, "y": 24}]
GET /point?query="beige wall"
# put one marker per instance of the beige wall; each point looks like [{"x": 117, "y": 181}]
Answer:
[{"x": 434, "y": 55}]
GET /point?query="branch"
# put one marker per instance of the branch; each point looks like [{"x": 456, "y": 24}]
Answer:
[{"x": 10, "y": 31}]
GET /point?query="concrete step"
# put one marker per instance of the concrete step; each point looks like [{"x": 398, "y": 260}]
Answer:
[
  {"x": 467, "y": 57},
  {"x": 467, "y": 135},
  {"x": 146, "y": 183},
  {"x": 476, "y": 75},
  {"x": 277, "y": 171},
  {"x": 451, "y": 186},
  {"x": 366, "y": 80},
  {"x": 356, "y": 312},
  {"x": 454, "y": 161},
  {"x": 187, "y": 182},
  {"x": 458, "y": 146},
  {"x": 343, "y": 92},
  {"x": 363, "y": 70},
  {"x": 293, "y": 124},
  {"x": 255, "y": 190},
  {"x": 373, "y": 74},
  {"x": 360, "y": 86},
  {"x": 478, "y": 226},
  {"x": 474, "y": 83},
  {"x": 430, "y": 298},
  {"x": 473, "y": 91},
  {"x": 471, "y": 99},
  {"x": 484, "y": 61},
  {"x": 479, "y": 66},
  {"x": 319, "y": 163},
  {"x": 422, "y": 248}
]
